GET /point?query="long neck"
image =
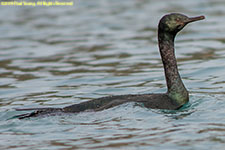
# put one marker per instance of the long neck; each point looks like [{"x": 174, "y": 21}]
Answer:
[{"x": 176, "y": 88}]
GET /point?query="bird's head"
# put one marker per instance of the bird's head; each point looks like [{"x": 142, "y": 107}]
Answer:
[{"x": 174, "y": 22}]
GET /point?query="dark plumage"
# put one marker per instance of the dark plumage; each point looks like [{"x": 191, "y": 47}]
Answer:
[{"x": 176, "y": 96}]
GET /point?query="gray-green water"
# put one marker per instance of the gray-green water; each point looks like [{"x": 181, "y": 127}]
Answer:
[{"x": 58, "y": 56}]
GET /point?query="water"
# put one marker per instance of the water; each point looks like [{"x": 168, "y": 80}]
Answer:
[{"x": 58, "y": 56}]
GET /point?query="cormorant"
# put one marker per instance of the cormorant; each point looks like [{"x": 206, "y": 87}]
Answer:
[{"x": 176, "y": 95}]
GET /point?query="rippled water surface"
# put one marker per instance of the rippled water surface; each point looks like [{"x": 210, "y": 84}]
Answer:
[{"x": 58, "y": 56}]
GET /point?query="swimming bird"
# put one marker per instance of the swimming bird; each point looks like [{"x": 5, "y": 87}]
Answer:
[{"x": 176, "y": 95}]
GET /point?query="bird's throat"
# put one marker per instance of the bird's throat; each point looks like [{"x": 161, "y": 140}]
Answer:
[{"x": 176, "y": 88}]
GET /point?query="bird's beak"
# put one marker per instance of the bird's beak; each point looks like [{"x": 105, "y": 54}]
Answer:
[{"x": 193, "y": 19}]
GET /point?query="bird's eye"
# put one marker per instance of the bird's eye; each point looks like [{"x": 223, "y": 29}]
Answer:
[{"x": 178, "y": 19}]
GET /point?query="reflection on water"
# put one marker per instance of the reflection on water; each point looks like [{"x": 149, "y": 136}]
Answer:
[{"x": 57, "y": 56}]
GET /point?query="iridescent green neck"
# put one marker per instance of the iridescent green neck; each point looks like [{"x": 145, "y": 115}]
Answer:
[{"x": 176, "y": 88}]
